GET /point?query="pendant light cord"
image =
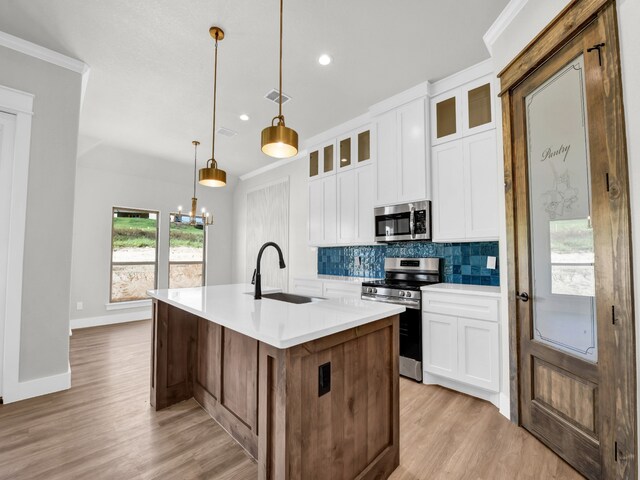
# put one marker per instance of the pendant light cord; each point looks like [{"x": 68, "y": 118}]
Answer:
[
  {"x": 195, "y": 166},
  {"x": 280, "y": 86},
  {"x": 215, "y": 91}
]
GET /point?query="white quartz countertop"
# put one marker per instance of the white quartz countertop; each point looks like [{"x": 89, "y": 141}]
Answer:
[
  {"x": 274, "y": 322},
  {"x": 335, "y": 278},
  {"x": 484, "y": 290}
]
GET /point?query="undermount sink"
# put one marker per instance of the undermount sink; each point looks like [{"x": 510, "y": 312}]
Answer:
[{"x": 290, "y": 298}]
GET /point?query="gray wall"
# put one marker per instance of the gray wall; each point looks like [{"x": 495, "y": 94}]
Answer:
[
  {"x": 108, "y": 177},
  {"x": 44, "y": 340}
]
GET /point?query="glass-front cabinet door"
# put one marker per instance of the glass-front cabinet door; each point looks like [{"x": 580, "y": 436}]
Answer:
[
  {"x": 478, "y": 106},
  {"x": 354, "y": 149},
  {"x": 345, "y": 150},
  {"x": 314, "y": 163},
  {"x": 446, "y": 114},
  {"x": 322, "y": 160}
]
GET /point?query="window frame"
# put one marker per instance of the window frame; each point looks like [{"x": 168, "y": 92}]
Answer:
[
  {"x": 115, "y": 210},
  {"x": 187, "y": 262}
]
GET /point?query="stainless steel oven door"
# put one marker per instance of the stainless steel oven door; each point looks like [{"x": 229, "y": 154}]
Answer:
[{"x": 409, "y": 221}]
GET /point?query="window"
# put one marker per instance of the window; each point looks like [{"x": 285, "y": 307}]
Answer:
[
  {"x": 134, "y": 254},
  {"x": 186, "y": 252},
  {"x": 572, "y": 257}
]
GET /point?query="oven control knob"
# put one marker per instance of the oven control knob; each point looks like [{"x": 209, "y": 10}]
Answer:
[
  {"x": 375, "y": 290},
  {"x": 408, "y": 294},
  {"x": 401, "y": 293}
]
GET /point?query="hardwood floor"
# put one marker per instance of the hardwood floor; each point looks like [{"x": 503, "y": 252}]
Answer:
[{"x": 104, "y": 428}]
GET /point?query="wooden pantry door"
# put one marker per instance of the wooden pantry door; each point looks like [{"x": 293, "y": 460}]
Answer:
[{"x": 571, "y": 304}]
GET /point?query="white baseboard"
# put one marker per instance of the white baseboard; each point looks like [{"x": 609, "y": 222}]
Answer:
[
  {"x": 505, "y": 405},
  {"x": 492, "y": 397},
  {"x": 38, "y": 387},
  {"x": 110, "y": 319}
]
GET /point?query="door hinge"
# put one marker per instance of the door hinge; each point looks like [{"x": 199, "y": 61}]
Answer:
[
  {"x": 597, "y": 47},
  {"x": 613, "y": 314},
  {"x": 607, "y": 180}
]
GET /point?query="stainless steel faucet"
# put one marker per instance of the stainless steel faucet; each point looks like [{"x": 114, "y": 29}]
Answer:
[{"x": 256, "y": 280}]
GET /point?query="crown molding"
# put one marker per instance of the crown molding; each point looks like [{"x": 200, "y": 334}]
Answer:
[
  {"x": 272, "y": 166},
  {"x": 421, "y": 90},
  {"x": 467, "y": 75},
  {"x": 502, "y": 22},
  {"x": 50, "y": 56}
]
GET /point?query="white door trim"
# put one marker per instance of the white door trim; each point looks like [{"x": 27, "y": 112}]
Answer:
[{"x": 21, "y": 105}]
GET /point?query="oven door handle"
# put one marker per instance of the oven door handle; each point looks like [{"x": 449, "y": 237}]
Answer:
[
  {"x": 412, "y": 221},
  {"x": 412, "y": 304}
]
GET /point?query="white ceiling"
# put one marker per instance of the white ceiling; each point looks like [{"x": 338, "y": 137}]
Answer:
[{"x": 151, "y": 63}]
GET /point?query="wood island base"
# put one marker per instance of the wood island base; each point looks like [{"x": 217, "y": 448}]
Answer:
[{"x": 327, "y": 408}]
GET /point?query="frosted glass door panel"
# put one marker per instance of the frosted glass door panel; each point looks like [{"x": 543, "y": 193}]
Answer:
[{"x": 563, "y": 276}]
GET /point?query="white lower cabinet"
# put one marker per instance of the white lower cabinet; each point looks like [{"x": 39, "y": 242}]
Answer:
[
  {"x": 341, "y": 290},
  {"x": 461, "y": 340},
  {"x": 440, "y": 345},
  {"x": 478, "y": 355},
  {"x": 326, "y": 288},
  {"x": 309, "y": 288}
]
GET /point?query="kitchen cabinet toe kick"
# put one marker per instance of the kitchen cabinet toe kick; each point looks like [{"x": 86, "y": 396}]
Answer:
[{"x": 328, "y": 408}]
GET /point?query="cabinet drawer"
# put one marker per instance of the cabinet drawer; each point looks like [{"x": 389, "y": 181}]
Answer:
[
  {"x": 310, "y": 288},
  {"x": 341, "y": 290},
  {"x": 462, "y": 305}
]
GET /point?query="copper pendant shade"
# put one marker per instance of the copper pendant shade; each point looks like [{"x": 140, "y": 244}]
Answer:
[
  {"x": 279, "y": 141},
  {"x": 212, "y": 176}
]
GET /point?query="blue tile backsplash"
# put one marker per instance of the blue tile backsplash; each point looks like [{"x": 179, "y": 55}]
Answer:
[{"x": 461, "y": 262}]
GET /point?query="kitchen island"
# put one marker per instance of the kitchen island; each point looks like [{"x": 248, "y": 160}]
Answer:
[{"x": 309, "y": 390}]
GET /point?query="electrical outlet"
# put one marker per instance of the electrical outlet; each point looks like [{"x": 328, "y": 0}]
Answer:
[
  {"x": 491, "y": 263},
  {"x": 79, "y": 306},
  {"x": 324, "y": 379},
  {"x": 358, "y": 261}
]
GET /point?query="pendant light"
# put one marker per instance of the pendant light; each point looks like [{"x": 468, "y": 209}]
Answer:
[
  {"x": 279, "y": 141},
  {"x": 212, "y": 176},
  {"x": 193, "y": 214}
]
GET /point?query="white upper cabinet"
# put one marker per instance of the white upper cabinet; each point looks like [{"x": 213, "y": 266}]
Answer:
[
  {"x": 465, "y": 189},
  {"x": 448, "y": 207},
  {"x": 355, "y": 206},
  {"x": 341, "y": 199},
  {"x": 463, "y": 111},
  {"x": 402, "y": 154},
  {"x": 478, "y": 106},
  {"x": 322, "y": 160},
  {"x": 322, "y": 211},
  {"x": 465, "y": 160},
  {"x": 481, "y": 182},
  {"x": 347, "y": 206},
  {"x": 413, "y": 151},
  {"x": 354, "y": 149},
  {"x": 386, "y": 165},
  {"x": 446, "y": 117}
]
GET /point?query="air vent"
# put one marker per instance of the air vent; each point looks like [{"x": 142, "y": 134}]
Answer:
[
  {"x": 274, "y": 96},
  {"x": 225, "y": 132}
]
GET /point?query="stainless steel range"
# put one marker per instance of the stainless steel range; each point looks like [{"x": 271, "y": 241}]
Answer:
[{"x": 401, "y": 285}]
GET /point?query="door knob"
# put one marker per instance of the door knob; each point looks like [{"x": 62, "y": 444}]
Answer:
[{"x": 524, "y": 296}]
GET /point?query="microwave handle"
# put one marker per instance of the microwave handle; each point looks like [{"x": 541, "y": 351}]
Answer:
[{"x": 412, "y": 222}]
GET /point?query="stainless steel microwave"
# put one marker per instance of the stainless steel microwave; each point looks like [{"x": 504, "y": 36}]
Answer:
[{"x": 407, "y": 221}]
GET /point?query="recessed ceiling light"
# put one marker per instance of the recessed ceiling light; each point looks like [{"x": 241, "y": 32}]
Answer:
[
  {"x": 244, "y": 117},
  {"x": 324, "y": 59}
]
